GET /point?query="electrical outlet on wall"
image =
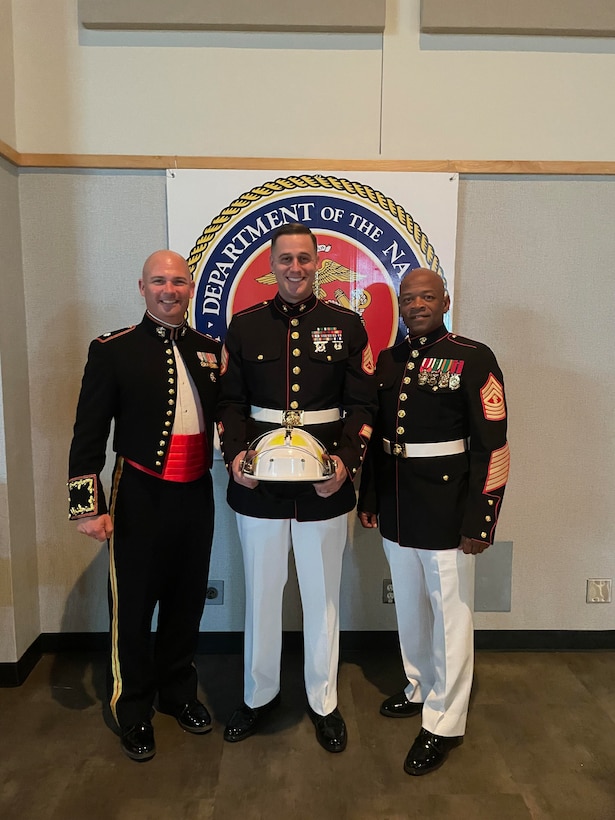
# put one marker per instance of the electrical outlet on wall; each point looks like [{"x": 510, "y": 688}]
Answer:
[
  {"x": 215, "y": 593},
  {"x": 388, "y": 596},
  {"x": 599, "y": 591}
]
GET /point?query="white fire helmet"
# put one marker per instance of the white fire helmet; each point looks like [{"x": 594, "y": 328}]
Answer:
[{"x": 288, "y": 454}]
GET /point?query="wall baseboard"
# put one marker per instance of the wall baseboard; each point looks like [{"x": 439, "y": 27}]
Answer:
[
  {"x": 14, "y": 674},
  {"x": 229, "y": 643}
]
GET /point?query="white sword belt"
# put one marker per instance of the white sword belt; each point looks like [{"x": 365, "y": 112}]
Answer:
[
  {"x": 295, "y": 418},
  {"x": 427, "y": 450}
]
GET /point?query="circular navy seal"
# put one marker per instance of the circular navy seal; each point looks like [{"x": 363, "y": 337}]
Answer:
[{"x": 366, "y": 243}]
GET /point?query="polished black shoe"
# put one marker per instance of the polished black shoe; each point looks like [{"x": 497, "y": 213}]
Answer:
[
  {"x": 330, "y": 730},
  {"x": 193, "y": 716},
  {"x": 429, "y": 752},
  {"x": 138, "y": 741},
  {"x": 398, "y": 706},
  {"x": 246, "y": 720}
]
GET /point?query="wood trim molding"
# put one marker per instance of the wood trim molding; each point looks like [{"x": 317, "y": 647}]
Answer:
[
  {"x": 134, "y": 162},
  {"x": 9, "y": 154}
]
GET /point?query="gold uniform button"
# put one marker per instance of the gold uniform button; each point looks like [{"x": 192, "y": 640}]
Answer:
[
  {"x": 160, "y": 453},
  {"x": 294, "y": 322},
  {"x": 294, "y": 405},
  {"x": 403, "y": 396},
  {"x": 415, "y": 354},
  {"x": 296, "y": 352},
  {"x": 260, "y": 357},
  {"x": 294, "y": 334},
  {"x": 296, "y": 370},
  {"x": 171, "y": 381},
  {"x": 171, "y": 402},
  {"x": 170, "y": 361},
  {"x": 169, "y": 351},
  {"x": 161, "y": 443},
  {"x": 400, "y": 431},
  {"x": 401, "y": 414},
  {"x": 407, "y": 379},
  {"x": 328, "y": 358},
  {"x": 171, "y": 371},
  {"x": 169, "y": 412},
  {"x": 171, "y": 391},
  {"x": 490, "y": 502},
  {"x": 166, "y": 432},
  {"x": 158, "y": 464},
  {"x": 295, "y": 388},
  {"x": 487, "y": 518},
  {"x": 483, "y": 535},
  {"x": 410, "y": 365},
  {"x": 444, "y": 478},
  {"x": 167, "y": 423}
]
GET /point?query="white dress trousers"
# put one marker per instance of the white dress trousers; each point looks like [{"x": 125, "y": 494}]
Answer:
[
  {"x": 318, "y": 548},
  {"x": 434, "y": 602}
]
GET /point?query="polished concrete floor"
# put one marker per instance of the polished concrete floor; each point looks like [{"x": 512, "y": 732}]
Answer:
[{"x": 540, "y": 745}]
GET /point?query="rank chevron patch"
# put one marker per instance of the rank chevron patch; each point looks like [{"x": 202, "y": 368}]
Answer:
[
  {"x": 492, "y": 397},
  {"x": 497, "y": 473}
]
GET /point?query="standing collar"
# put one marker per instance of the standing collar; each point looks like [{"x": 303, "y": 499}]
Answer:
[
  {"x": 295, "y": 310},
  {"x": 166, "y": 333},
  {"x": 421, "y": 342}
]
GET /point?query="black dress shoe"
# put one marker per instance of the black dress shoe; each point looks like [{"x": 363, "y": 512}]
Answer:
[
  {"x": 330, "y": 730},
  {"x": 245, "y": 720},
  {"x": 429, "y": 752},
  {"x": 138, "y": 741},
  {"x": 398, "y": 706},
  {"x": 193, "y": 716}
]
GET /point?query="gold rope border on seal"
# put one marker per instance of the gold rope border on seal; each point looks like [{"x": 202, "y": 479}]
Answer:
[{"x": 284, "y": 184}]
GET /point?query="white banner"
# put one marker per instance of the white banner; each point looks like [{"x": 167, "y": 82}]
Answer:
[{"x": 371, "y": 228}]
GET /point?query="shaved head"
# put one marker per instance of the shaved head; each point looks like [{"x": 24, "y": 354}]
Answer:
[{"x": 423, "y": 301}]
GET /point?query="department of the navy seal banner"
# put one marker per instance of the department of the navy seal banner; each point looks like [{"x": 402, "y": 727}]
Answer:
[{"x": 371, "y": 229}]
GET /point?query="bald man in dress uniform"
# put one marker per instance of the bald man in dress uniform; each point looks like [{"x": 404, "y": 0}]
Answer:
[
  {"x": 297, "y": 355},
  {"x": 158, "y": 381},
  {"x": 433, "y": 481}
]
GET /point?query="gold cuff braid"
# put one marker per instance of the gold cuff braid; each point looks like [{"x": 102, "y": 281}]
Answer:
[{"x": 82, "y": 496}]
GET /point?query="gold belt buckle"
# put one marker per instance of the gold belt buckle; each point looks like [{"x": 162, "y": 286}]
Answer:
[
  {"x": 397, "y": 449},
  {"x": 292, "y": 418}
]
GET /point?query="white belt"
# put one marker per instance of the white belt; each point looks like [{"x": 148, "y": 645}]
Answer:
[
  {"x": 426, "y": 450},
  {"x": 296, "y": 418}
]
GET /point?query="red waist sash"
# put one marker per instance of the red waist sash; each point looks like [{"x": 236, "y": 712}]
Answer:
[{"x": 186, "y": 459}]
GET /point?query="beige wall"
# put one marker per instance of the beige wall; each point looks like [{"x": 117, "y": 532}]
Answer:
[
  {"x": 84, "y": 238},
  {"x": 281, "y": 101},
  {"x": 19, "y": 609},
  {"x": 281, "y": 97},
  {"x": 493, "y": 104},
  {"x": 533, "y": 280},
  {"x": 7, "y": 76}
]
